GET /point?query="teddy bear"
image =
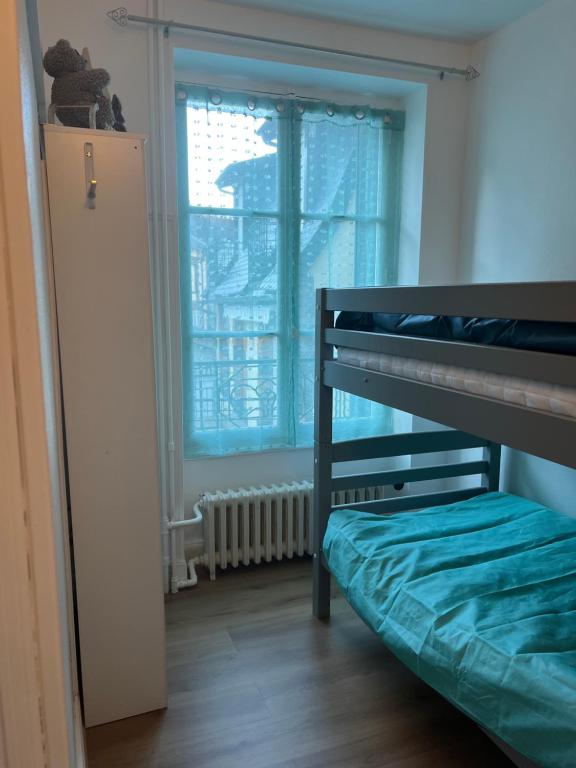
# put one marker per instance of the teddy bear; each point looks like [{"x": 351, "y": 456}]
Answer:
[{"x": 75, "y": 83}]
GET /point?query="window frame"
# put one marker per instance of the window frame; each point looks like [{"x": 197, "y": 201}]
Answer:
[{"x": 289, "y": 432}]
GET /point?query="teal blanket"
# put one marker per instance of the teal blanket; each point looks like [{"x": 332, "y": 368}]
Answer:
[{"x": 479, "y": 600}]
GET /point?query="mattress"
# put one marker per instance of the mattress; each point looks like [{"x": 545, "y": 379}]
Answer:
[
  {"x": 478, "y": 599},
  {"x": 537, "y": 395},
  {"x": 559, "y": 338}
]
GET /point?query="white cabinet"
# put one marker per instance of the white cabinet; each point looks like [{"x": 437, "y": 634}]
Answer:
[{"x": 102, "y": 275}]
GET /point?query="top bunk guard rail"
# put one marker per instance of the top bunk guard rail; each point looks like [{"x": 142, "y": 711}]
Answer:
[{"x": 547, "y": 302}]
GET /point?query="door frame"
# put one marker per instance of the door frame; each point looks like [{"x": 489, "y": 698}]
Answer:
[{"x": 40, "y": 721}]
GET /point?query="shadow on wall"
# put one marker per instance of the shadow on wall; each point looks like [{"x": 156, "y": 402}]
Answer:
[{"x": 548, "y": 483}]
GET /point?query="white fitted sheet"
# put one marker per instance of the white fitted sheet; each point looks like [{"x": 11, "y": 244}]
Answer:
[{"x": 550, "y": 398}]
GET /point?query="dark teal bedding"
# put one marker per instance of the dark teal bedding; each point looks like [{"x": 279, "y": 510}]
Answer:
[
  {"x": 559, "y": 338},
  {"x": 478, "y": 599}
]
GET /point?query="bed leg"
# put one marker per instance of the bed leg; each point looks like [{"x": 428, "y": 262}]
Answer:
[
  {"x": 321, "y": 589},
  {"x": 322, "y": 509},
  {"x": 322, "y": 458}
]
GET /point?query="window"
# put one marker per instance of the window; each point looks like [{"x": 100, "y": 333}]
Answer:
[{"x": 276, "y": 197}]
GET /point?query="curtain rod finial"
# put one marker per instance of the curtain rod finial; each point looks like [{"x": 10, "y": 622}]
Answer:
[
  {"x": 119, "y": 15},
  {"x": 471, "y": 73}
]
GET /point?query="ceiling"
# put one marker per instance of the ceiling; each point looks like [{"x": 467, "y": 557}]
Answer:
[{"x": 463, "y": 20}]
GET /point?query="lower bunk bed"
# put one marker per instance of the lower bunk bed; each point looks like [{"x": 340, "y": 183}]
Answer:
[
  {"x": 478, "y": 598},
  {"x": 473, "y": 589}
]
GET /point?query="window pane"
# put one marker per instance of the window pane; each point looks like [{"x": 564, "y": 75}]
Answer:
[
  {"x": 234, "y": 384},
  {"x": 305, "y": 379},
  {"x": 232, "y": 289},
  {"x": 339, "y": 254},
  {"x": 233, "y": 278},
  {"x": 341, "y": 162},
  {"x": 351, "y": 416},
  {"x": 232, "y": 160}
]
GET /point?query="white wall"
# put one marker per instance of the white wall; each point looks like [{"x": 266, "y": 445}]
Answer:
[
  {"x": 519, "y": 220},
  {"x": 125, "y": 53},
  {"x": 125, "y": 56},
  {"x": 433, "y": 168},
  {"x": 437, "y": 113},
  {"x": 446, "y": 106},
  {"x": 412, "y": 187},
  {"x": 280, "y": 466}
]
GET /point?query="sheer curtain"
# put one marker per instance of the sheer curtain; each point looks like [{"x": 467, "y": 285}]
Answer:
[{"x": 276, "y": 197}]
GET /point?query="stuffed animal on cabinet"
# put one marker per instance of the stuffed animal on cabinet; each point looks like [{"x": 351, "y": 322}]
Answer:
[
  {"x": 76, "y": 84},
  {"x": 119, "y": 121}
]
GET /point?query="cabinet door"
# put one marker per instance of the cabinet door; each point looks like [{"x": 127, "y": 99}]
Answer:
[{"x": 102, "y": 275}]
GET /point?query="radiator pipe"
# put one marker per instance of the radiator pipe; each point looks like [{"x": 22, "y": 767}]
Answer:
[
  {"x": 173, "y": 526},
  {"x": 190, "y": 582}
]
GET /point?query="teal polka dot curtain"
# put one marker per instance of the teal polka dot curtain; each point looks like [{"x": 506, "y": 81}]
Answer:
[{"x": 276, "y": 198}]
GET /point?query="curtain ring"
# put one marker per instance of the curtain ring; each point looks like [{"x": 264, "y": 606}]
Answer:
[
  {"x": 216, "y": 98},
  {"x": 280, "y": 106},
  {"x": 359, "y": 114},
  {"x": 330, "y": 110},
  {"x": 251, "y": 105}
]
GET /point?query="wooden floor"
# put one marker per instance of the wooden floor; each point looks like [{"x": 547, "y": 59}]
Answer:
[{"x": 255, "y": 681}]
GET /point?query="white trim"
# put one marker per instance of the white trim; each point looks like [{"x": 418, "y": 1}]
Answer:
[{"x": 165, "y": 291}]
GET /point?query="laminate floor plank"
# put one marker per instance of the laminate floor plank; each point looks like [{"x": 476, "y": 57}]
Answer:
[{"x": 255, "y": 681}]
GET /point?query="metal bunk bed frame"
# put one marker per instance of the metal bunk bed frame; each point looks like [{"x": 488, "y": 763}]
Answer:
[{"x": 476, "y": 421}]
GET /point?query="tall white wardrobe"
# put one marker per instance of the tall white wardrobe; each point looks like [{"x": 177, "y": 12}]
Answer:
[{"x": 99, "y": 227}]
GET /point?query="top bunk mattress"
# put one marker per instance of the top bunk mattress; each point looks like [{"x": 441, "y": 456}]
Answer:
[
  {"x": 536, "y": 395},
  {"x": 558, "y": 338},
  {"x": 478, "y": 599}
]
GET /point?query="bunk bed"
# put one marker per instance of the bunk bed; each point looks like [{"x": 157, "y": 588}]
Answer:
[{"x": 475, "y": 590}]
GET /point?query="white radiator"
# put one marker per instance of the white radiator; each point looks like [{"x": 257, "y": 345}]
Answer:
[{"x": 255, "y": 525}]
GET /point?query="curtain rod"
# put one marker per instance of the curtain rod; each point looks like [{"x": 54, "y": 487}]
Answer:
[
  {"x": 122, "y": 17},
  {"x": 227, "y": 88}
]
